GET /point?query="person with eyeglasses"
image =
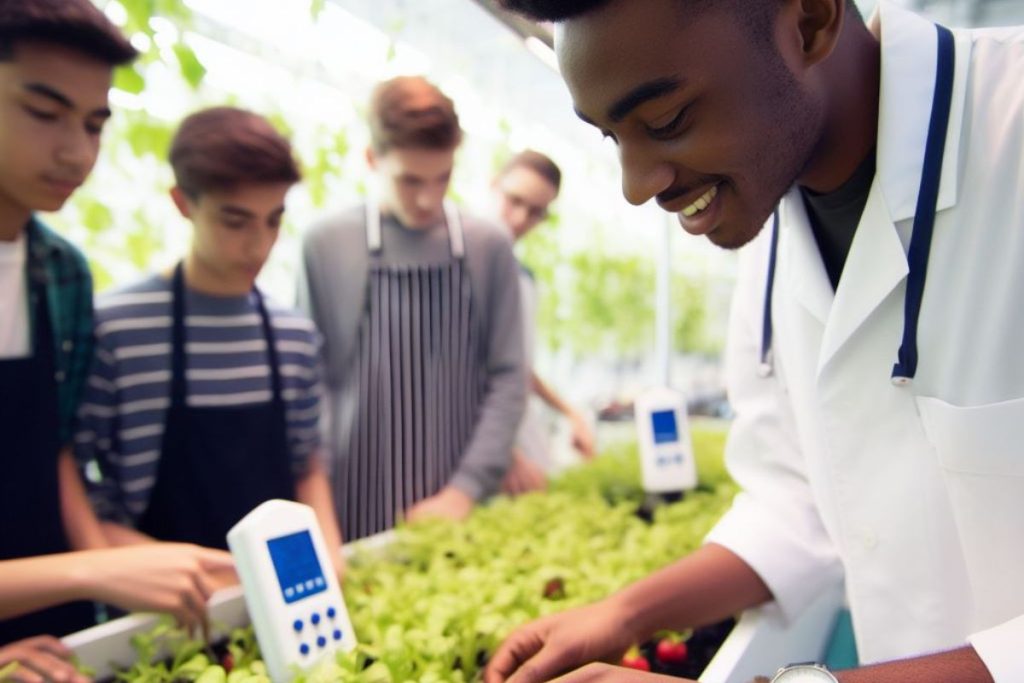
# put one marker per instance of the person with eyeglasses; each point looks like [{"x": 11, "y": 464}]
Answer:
[{"x": 524, "y": 190}]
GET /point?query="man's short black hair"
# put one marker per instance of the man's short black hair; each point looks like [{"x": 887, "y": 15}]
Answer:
[
  {"x": 552, "y": 10},
  {"x": 77, "y": 24},
  {"x": 560, "y": 10}
]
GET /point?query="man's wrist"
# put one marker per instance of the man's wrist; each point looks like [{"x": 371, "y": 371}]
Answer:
[{"x": 630, "y": 612}]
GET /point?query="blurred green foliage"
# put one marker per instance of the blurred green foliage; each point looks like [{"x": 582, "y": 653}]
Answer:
[
  {"x": 594, "y": 300},
  {"x": 599, "y": 301}
]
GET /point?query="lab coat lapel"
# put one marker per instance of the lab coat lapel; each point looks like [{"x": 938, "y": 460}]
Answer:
[
  {"x": 800, "y": 259},
  {"x": 876, "y": 264},
  {"x": 909, "y": 57}
]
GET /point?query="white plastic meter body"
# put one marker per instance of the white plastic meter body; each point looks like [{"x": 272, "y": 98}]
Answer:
[
  {"x": 291, "y": 589},
  {"x": 666, "y": 451}
]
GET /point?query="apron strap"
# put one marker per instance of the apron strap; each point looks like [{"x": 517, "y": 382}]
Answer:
[
  {"x": 455, "y": 236},
  {"x": 42, "y": 332},
  {"x": 178, "y": 387},
  {"x": 178, "y": 383},
  {"x": 373, "y": 239},
  {"x": 272, "y": 358},
  {"x": 452, "y": 220}
]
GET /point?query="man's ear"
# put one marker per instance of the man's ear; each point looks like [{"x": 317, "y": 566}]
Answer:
[
  {"x": 820, "y": 25},
  {"x": 371, "y": 158},
  {"x": 810, "y": 30},
  {"x": 182, "y": 201}
]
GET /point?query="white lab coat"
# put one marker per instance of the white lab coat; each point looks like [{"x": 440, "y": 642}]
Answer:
[{"x": 917, "y": 492}]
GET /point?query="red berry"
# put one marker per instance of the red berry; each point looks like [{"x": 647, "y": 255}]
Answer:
[
  {"x": 670, "y": 652},
  {"x": 228, "y": 662},
  {"x": 638, "y": 662},
  {"x": 554, "y": 589}
]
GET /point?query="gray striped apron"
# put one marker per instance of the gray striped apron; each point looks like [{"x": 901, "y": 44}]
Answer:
[{"x": 421, "y": 380}]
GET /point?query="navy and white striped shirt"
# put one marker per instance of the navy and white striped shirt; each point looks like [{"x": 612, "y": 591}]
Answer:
[{"x": 121, "y": 420}]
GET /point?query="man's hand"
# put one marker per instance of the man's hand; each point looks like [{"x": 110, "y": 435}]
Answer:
[
  {"x": 39, "y": 659},
  {"x": 558, "y": 643},
  {"x": 594, "y": 673},
  {"x": 448, "y": 503},
  {"x": 582, "y": 436},
  {"x": 524, "y": 476},
  {"x": 176, "y": 578},
  {"x": 340, "y": 563}
]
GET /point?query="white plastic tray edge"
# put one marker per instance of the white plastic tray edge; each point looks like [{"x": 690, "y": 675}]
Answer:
[{"x": 763, "y": 640}]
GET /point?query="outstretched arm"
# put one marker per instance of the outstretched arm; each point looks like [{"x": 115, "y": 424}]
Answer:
[
  {"x": 702, "y": 588},
  {"x": 164, "y": 577},
  {"x": 582, "y": 435}
]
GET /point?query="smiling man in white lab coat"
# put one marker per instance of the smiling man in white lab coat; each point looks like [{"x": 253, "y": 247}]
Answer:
[{"x": 874, "y": 172}]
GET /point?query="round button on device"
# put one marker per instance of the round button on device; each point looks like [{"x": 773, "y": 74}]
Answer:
[
  {"x": 297, "y": 625},
  {"x": 315, "y": 619},
  {"x": 303, "y": 649},
  {"x": 321, "y": 642},
  {"x": 337, "y": 634},
  {"x": 331, "y": 612}
]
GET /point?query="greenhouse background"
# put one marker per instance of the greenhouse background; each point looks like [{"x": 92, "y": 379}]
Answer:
[{"x": 310, "y": 64}]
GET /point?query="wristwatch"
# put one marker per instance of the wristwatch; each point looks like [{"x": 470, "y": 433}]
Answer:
[{"x": 807, "y": 672}]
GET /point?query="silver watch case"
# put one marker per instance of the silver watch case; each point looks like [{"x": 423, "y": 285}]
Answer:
[{"x": 804, "y": 673}]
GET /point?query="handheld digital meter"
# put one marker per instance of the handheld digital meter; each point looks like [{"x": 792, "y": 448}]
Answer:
[
  {"x": 666, "y": 452},
  {"x": 291, "y": 590}
]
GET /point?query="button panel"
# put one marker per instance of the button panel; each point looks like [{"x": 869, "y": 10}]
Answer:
[
  {"x": 315, "y": 626},
  {"x": 672, "y": 459}
]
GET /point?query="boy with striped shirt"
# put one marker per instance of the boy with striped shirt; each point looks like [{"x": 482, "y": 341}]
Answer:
[{"x": 204, "y": 400}]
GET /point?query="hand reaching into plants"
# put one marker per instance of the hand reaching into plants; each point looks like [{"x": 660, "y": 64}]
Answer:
[
  {"x": 561, "y": 642},
  {"x": 448, "y": 503},
  {"x": 164, "y": 577},
  {"x": 524, "y": 476},
  {"x": 595, "y": 673},
  {"x": 176, "y": 578},
  {"x": 39, "y": 659},
  {"x": 582, "y": 436}
]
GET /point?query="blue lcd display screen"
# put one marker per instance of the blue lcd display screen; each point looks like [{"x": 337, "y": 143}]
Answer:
[
  {"x": 664, "y": 424},
  {"x": 297, "y": 566}
]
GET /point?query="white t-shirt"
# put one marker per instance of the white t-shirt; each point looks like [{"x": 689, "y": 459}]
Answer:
[
  {"x": 532, "y": 437},
  {"x": 14, "y": 322}
]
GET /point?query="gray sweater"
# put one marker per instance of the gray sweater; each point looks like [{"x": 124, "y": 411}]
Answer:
[{"x": 332, "y": 290}]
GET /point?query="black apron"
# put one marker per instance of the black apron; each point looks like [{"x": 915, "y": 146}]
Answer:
[
  {"x": 30, "y": 514},
  {"x": 421, "y": 382},
  {"x": 216, "y": 463}
]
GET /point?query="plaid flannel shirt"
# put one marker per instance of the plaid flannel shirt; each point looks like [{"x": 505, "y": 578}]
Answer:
[{"x": 59, "y": 265}]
